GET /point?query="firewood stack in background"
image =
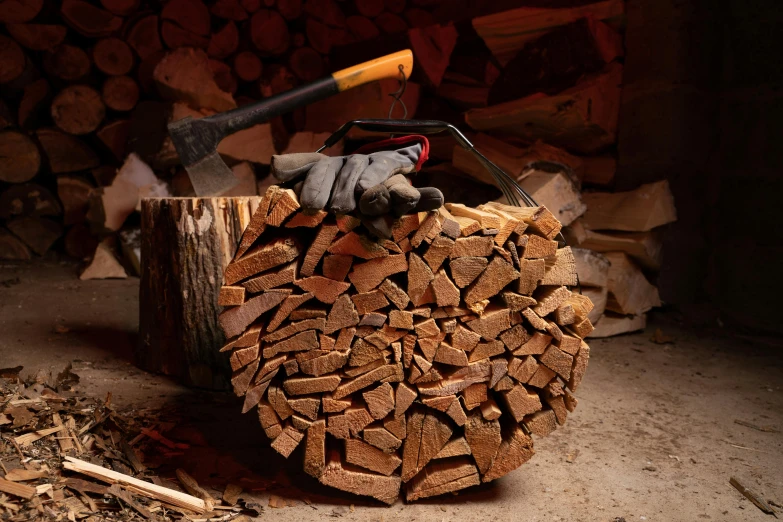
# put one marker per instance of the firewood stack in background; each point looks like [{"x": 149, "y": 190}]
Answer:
[
  {"x": 87, "y": 88},
  {"x": 425, "y": 361}
]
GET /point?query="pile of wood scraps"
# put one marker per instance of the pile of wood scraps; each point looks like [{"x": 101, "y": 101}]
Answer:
[
  {"x": 423, "y": 362},
  {"x": 67, "y": 456}
]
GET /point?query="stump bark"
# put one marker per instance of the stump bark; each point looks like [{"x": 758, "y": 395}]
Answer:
[{"x": 186, "y": 244}]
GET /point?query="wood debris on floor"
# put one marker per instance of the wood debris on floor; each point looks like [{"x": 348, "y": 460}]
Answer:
[{"x": 64, "y": 456}]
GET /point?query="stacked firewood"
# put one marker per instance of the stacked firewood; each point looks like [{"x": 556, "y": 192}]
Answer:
[{"x": 425, "y": 360}]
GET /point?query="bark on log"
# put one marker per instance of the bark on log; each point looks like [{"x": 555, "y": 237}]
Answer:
[{"x": 179, "y": 331}]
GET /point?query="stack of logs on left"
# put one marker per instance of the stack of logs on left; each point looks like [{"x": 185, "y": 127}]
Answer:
[{"x": 425, "y": 362}]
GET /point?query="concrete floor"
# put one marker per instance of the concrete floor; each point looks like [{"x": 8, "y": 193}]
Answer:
[{"x": 654, "y": 436}]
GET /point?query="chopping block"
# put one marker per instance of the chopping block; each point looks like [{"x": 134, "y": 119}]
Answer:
[{"x": 186, "y": 244}]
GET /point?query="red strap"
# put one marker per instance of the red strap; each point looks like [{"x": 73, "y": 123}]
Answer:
[{"x": 396, "y": 143}]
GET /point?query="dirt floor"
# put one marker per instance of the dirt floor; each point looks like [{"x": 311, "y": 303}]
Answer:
[{"x": 654, "y": 436}]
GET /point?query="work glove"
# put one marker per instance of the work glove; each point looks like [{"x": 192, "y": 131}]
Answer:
[{"x": 376, "y": 180}]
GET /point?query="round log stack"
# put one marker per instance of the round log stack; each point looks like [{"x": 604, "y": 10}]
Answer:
[{"x": 428, "y": 362}]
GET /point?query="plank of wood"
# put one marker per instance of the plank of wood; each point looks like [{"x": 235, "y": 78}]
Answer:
[
  {"x": 380, "y": 400},
  {"x": 483, "y": 437},
  {"x": 310, "y": 385},
  {"x": 558, "y": 361},
  {"x": 324, "y": 364},
  {"x": 170, "y": 496},
  {"x": 446, "y": 293},
  {"x": 261, "y": 258},
  {"x": 549, "y": 298},
  {"x": 336, "y": 267},
  {"x": 486, "y": 219},
  {"x": 644, "y": 247},
  {"x": 489, "y": 325},
  {"x": 369, "y": 301},
  {"x": 315, "y": 449},
  {"x": 442, "y": 477},
  {"x": 539, "y": 219},
  {"x": 382, "y": 439},
  {"x": 639, "y": 210},
  {"x": 520, "y": 402},
  {"x": 492, "y": 280},
  {"x": 287, "y": 441},
  {"x": 456, "y": 447},
  {"x": 361, "y": 246},
  {"x": 472, "y": 246},
  {"x": 349, "y": 423},
  {"x": 318, "y": 247},
  {"x": 368, "y": 275},
  {"x": 235, "y": 320},
  {"x": 364, "y": 455},
  {"x": 305, "y": 219},
  {"x": 324, "y": 289},
  {"x": 629, "y": 291},
  {"x": 516, "y": 449}
]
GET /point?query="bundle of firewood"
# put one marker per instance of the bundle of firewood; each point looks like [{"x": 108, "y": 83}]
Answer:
[{"x": 428, "y": 359}]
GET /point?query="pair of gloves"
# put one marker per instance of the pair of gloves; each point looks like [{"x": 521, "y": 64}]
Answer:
[{"x": 377, "y": 181}]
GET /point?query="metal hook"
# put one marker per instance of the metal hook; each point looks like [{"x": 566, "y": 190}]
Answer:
[{"x": 397, "y": 95}]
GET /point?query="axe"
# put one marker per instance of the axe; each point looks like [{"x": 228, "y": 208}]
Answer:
[{"x": 196, "y": 140}]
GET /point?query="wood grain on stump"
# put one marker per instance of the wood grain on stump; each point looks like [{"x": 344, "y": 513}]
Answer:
[{"x": 425, "y": 363}]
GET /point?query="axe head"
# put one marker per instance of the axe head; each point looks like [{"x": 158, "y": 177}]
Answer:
[{"x": 196, "y": 142}]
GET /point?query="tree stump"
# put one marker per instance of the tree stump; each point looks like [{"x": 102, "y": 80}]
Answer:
[{"x": 186, "y": 244}]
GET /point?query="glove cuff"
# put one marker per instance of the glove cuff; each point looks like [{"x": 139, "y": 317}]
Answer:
[{"x": 397, "y": 143}]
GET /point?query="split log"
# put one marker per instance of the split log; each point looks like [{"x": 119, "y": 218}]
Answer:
[
  {"x": 506, "y": 32},
  {"x": 38, "y": 37},
  {"x": 37, "y": 233},
  {"x": 178, "y": 325},
  {"x": 373, "y": 344},
  {"x": 115, "y": 136},
  {"x": 556, "y": 60},
  {"x": 12, "y": 248},
  {"x": 104, "y": 264},
  {"x": 89, "y": 20},
  {"x": 611, "y": 324},
  {"x": 629, "y": 291},
  {"x": 74, "y": 193},
  {"x": 176, "y": 37},
  {"x": 587, "y": 125},
  {"x": 66, "y": 153},
  {"x": 144, "y": 37},
  {"x": 184, "y": 75},
  {"x": 639, "y": 210},
  {"x": 307, "y": 64},
  {"x": 20, "y": 159}
]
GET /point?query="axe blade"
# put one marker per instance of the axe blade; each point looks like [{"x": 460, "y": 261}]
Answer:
[
  {"x": 196, "y": 142},
  {"x": 210, "y": 176}
]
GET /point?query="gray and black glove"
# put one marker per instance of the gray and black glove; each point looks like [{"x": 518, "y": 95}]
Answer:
[{"x": 375, "y": 180}]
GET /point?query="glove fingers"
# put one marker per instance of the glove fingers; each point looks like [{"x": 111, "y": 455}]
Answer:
[
  {"x": 382, "y": 166},
  {"x": 431, "y": 199},
  {"x": 375, "y": 201},
  {"x": 286, "y": 167},
  {"x": 318, "y": 185},
  {"x": 343, "y": 198},
  {"x": 404, "y": 198}
]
